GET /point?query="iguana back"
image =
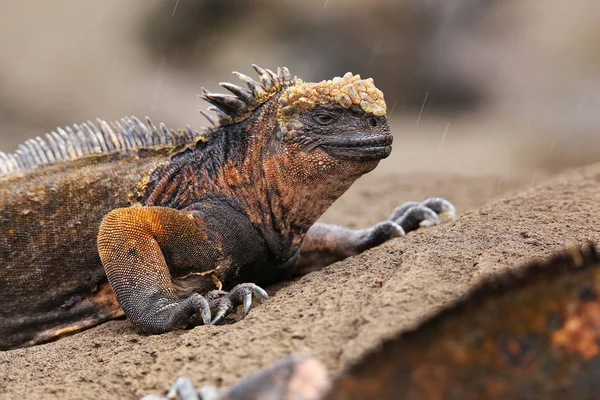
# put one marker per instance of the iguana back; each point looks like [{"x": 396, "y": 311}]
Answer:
[{"x": 51, "y": 278}]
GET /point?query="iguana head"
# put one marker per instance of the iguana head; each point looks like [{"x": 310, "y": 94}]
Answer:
[
  {"x": 312, "y": 140},
  {"x": 335, "y": 121},
  {"x": 343, "y": 118}
]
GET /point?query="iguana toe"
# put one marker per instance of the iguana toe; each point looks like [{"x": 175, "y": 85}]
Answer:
[
  {"x": 256, "y": 290},
  {"x": 224, "y": 302},
  {"x": 220, "y": 304},
  {"x": 417, "y": 217},
  {"x": 202, "y": 304},
  {"x": 412, "y": 215},
  {"x": 441, "y": 206}
]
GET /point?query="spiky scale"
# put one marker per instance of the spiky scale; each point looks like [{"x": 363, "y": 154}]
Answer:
[
  {"x": 141, "y": 134},
  {"x": 265, "y": 78},
  {"x": 112, "y": 144},
  {"x": 60, "y": 144},
  {"x": 110, "y": 135},
  {"x": 274, "y": 77},
  {"x": 37, "y": 151},
  {"x": 53, "y": 147},
  {"x": 20, "y": 161},
  {"x": 135, "y": 137},
  {"x": 4, "y": 163},
  {"x": 189, "y": 132},
  {"x": 166, "y": 132},
  {"x": 182, "y": 136},
  {"x": 14, "y": 166},
  {"x": 30, "y": 148},
  {"x": 255, "y": 87},
  {"x": 125, "y": 139},
  {"x": 46, "y": 149},
  {"x": 157, "y": 138},
  {"x": 226, "y": 102},
  {"x": 211, "y": 119},
  {"x": 240, "y": 92},
  {"x": 84, "y": 144},
  {"x": 90, "y": 136},
  {"x": 74, "y": 140},
  {"x": 25, "y": 156},
  {"x": 124, "y": 125},
  {"x": 99, "y": 136},
  {"x": 223, "y": 116},
  {"x": 285, "y": 75},
  {"x": 143, "y": 128},
  {"x": 70, "y": 145}
]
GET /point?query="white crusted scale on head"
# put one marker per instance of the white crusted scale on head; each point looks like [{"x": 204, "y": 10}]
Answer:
[{"x": 346, "y": 91}]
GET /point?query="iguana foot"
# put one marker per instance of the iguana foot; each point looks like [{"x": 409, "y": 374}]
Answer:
[
  {"x": 413, "y": 215},
  {"x": 222, "y": 302},
  {"x": 291, "y": 378},
  {"x": 325, "y": 244}
]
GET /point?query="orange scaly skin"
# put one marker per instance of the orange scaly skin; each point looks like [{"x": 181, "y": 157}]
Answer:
[{"x": 183, "y": 221}]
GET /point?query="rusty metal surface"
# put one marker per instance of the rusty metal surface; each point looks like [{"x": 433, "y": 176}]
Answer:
[{"x": 529, "y": 334}]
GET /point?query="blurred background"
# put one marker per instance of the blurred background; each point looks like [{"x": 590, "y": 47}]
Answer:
[{"x": 497, "y": 87}]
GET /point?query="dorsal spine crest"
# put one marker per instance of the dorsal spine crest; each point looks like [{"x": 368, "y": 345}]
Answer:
[
  {"x": 74, "y": 142},
  {"x": 130, "y": 134}
]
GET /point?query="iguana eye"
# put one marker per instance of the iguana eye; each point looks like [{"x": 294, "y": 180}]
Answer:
[{"x": 324, "y": 119}]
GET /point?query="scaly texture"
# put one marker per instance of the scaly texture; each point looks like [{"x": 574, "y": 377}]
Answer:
[{"x": 175, "y": 228}]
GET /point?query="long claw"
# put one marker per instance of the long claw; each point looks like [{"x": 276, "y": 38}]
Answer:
[
  {"x": 448, "y": 215},
  {"x": 217, "y": 318},
  {"x": 260, "y": 292},
  {"x": 247, "y": 303},
  {"x": 431, "y": 219},
  {"x": 201, "y": 304},
  {"x": 417, "y": 217},
  {"x": 401, "y": 210},
  {"x": 206, "y": 315},
  {"x": 441, "y": 206},
  {"x": 223, "y": 302}
]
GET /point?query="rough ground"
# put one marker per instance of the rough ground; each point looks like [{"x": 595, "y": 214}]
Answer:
[{"x": 338, "y": 313}]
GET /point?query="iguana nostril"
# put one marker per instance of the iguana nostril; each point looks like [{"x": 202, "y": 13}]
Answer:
[{"x": 373, "y": 122}]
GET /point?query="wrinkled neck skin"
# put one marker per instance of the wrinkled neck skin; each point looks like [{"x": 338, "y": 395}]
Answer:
[
  {"x": 282, "y": 189},
  {"x": 304, "y": 185},
  {"x": 301, "y": 186},
  {"x": 296, "y": 187}
]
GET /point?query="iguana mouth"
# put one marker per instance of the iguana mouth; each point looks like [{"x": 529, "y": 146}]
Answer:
[{"x": 362, "y": 148}]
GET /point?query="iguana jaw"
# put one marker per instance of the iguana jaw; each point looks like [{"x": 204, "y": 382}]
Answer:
[{"x": 363, "y": 147}]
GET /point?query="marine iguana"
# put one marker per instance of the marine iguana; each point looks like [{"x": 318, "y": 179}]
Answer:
[{"x": 177, "y": 227}]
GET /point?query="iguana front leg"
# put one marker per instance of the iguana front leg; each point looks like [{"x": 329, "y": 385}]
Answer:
[
  {"x": 325, "y": 244},
  {"x": 138, "y": 244}
]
